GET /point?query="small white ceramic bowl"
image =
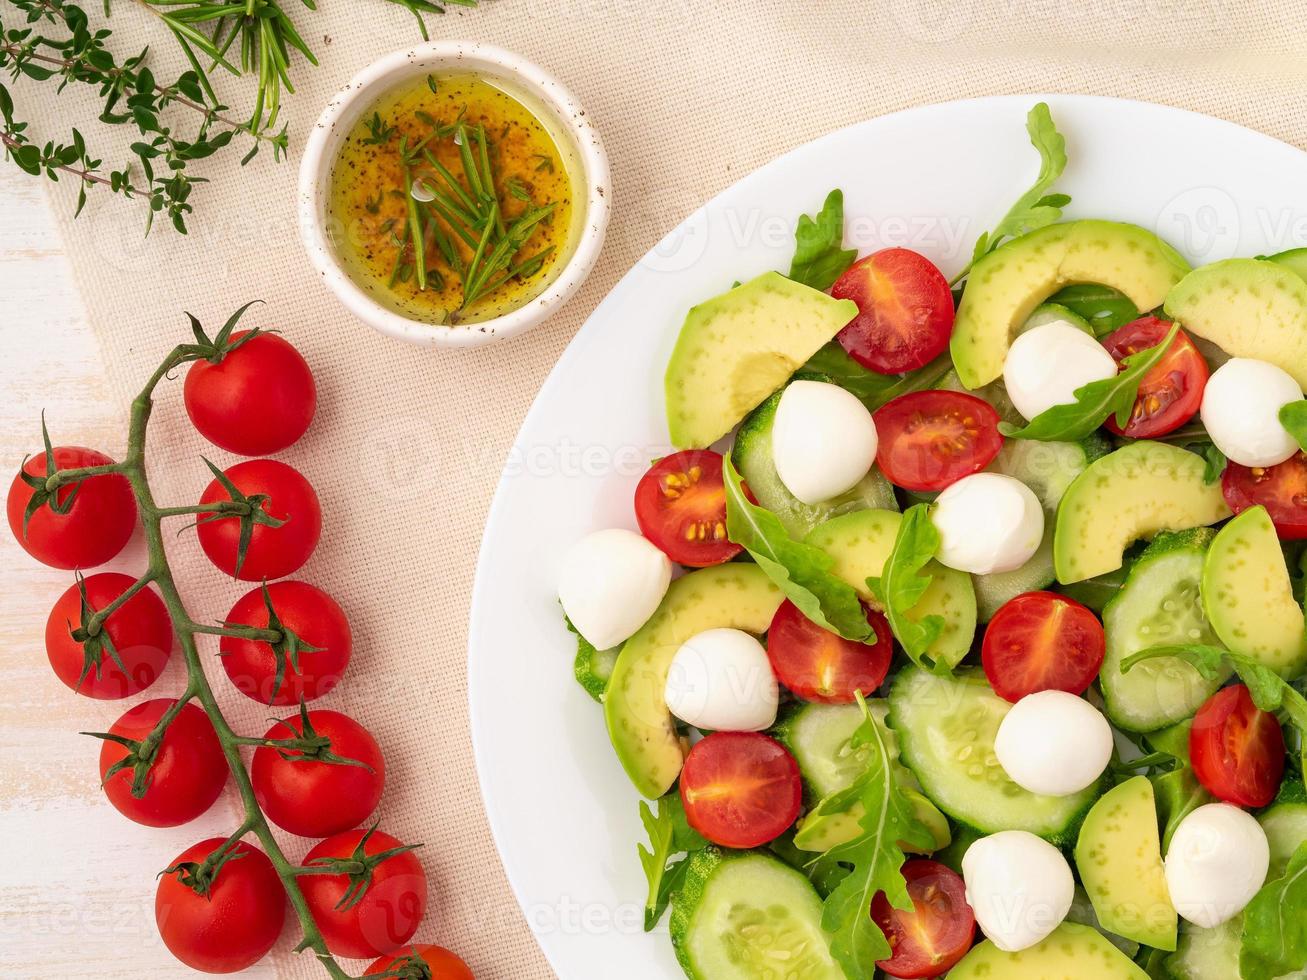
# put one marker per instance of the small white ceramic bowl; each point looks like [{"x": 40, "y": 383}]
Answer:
[{"x": 344, "y": 110}]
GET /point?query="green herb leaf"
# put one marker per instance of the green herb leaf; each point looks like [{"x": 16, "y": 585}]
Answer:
[
  {"x": 902, "y": 584},
  {"x": 819, "y": 258},
  {"x": 1102, "y": 307},
  {"x": 1274, "y": 941},
  {"x": 669, "y": 834},
  {"x": 800, "y": 570},
  {"x": 1293, "y": 417},
  {"x": 874, "y": 390},
  {"x": 1095, "y": 402}
]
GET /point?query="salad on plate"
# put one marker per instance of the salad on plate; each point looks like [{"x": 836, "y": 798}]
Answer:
[{"x": 963, "y": 632}]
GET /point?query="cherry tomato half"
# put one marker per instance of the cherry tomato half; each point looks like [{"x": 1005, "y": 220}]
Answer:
[
  {"x": 256, "y": 400},
  {"x": 440, "y": 962},
  {"x": 1237, "y": 749},
  {"x": 188, "y": 772},
  {"x": 273, "y": 551},
  {"x": 905, "y": 311},
  {"x": 1281, "y": 489},
  {"x": 310, "y": 614},
  {"x": 930, "y": 939},
  {"x": 97, "y": 525},
  {"x": 139, "y": 631},
  {"x": 1042, "y": 641},
  {"x": 680, "y": 505},
  {"x": 931, "y": 439},
  {"x": 740, "y": 789},
  {"x": 1171, "y": 391},
  {"x": 818, "y": 665}
]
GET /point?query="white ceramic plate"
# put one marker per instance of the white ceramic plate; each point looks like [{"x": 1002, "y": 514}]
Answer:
[{"x": 563, "y": 813}]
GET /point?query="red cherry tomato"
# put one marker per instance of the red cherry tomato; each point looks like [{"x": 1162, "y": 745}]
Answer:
[
  {"x": 1042, "y": 641},
  {"x": 257, "y": 400},
  {"x": 818, "y": 665},
  {"x": 680, "y": 505},
  {"x": 930, "y": 439},
  {"x": 188, "y": 772},
  {"x": 930, "y": 939},
  {"x": 440, "y": 962},
  {"x": 317, "y": 799},
  {"x": 740, "y": 789},
  {"x": 1281, "y": 489},
  {"x": 905, "y": 311},
  {"x": 1172, "y": 390},
  {"x": 1237, "y": 749},
  {"x": 391, "y": 908},
  {"x": 139, "y": 630},
  {"x": 273, "y": 551},
  {"x": 310, "y": 614},
  {"x": 95, "y": 528}
]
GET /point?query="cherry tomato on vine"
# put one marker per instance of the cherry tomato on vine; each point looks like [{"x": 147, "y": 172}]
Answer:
[
  {"x": 308, "y": 614},
  {"x": 258, "y": 399},
  {"x": 99, "y": 513},
  {"x": 818, "y": 665},
  {"x": 225, "y": 921},
  {"x": 440, "y": 962},
  {"x": 280, "y": 493},
  {"x": 1237, "y": 748},
  {"x": 139, "y": 632},
  {"x": 186, "y": 776},
  {"x": 930, "y": 939},
  {"x": 1042, "y": 641},
  {"x": 680, "y": 505},
  {"x": 1171, "y": 391},
  {"x": 740, "y": 789},
  {"x": 931, "y": 439},
  {"x": 1281, "y": 489},
  {"x": 905, "y": 311},
  {"x": 388, "y": 911},
  {"x": 317, "y": 799}
]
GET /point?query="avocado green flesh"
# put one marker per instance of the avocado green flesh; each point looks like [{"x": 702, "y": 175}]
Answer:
[
  {"x": 1129, "y": 494},
  {"x": 1248, "y": 308},
  {"x": 861, "y": 542},
  {"x": 1070, "y": 952},
  {"x": 1119, "y": 857},
  {"x": 1007, "y": 285},
  {"x": 736, "y": 596},
  {"x": 737, "y": 348},
  {"x": 1249, "y": 598}
]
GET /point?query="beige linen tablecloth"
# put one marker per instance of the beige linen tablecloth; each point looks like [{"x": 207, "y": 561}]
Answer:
[{"x": 406, "y": 449}]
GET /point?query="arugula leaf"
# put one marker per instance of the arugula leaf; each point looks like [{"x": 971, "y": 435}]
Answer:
[
  {"x": 1293, "y": 417},
  {"x": 873, "y": 389},
  {"x": 1094, "y": 401},
  {"x": 1274, "y": 942},
  {"x": 800, "y": 570},
  {"x": 1036, "y": 208},
  {"x": 1215, "y": 460},
  {"x": 901, "y": 586},
  {"x": 818, "y": 258},
  {"x": 1102, "y": 307},
  {"x": 876, "y": 856},
  {"x": 669, "y": 833}
]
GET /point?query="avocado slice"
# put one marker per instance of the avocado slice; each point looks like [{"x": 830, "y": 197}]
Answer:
[
  {"x": 1006, "y": 286},
  {"x": 1119, "y": 856},
  {"x": 1069, "y": 952},
  {"x": 1248, "y": 308},
  {"x": 737, "y": 348},
  {"x": 737, "y": 596},
  {"x": 1249, "y": 598},
  {"x": 1131, "y": 493}
]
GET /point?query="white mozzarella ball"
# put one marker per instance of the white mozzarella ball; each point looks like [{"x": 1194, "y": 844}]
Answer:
[
  {"x": 987, "y": 523},
  {"x": 1046, "y": 364},
  {"x": 1241, "y": 406},
  {"x": 1217, "y": 862},
  {"x": 721, "y": 680},
  {"x": 823, "y": 440},
  {"x": 610, "y": 584},
  {"x": 1053, "y": 743},
  {"x": 1019, "y": 886}
]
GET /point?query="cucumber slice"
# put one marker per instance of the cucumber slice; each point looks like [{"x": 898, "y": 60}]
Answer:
[
  {"x": 1053, "y": 313},
  {"x": 1285, "y": 823},
  {"x": 593, "y": 668},
  {"x": 752, "y": 456},
  {"x": 1048, "y": 468},
  {"x": 992, "y": 591},
  {"x": 1206, "y": 954},
  {"x": 749, "y": 916},
  {"x": 1160, "y": 603},
  {"x": 946, "y": 728}
]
